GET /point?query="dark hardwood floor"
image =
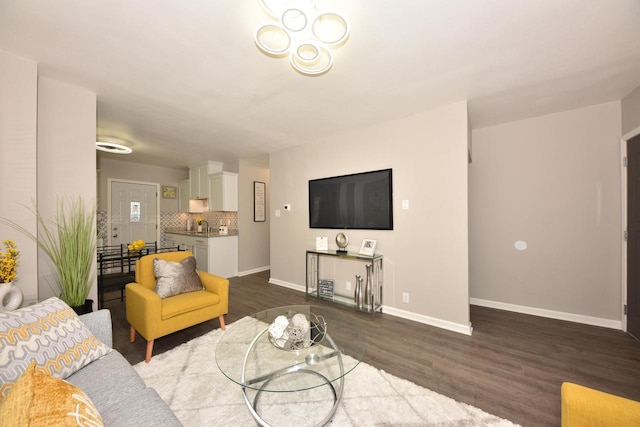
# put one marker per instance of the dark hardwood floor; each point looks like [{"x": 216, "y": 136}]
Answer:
[{"x": 512, "y": 366}]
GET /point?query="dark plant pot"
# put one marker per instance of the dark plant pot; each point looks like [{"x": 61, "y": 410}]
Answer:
[{"x": 85, "y": 308}]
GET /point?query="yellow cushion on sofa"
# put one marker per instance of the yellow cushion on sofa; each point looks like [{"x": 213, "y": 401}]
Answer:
[
  {"x": 185, "y": 303},
  {"x": 39, "y": 400},
  {"x": 585, "y": 407}
]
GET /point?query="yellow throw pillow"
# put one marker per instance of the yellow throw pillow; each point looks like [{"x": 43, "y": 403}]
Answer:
[{"x": 38, "y": 399}]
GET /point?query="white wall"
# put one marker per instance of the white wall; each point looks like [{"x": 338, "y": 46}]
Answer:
[
  {"x": 426, "y": 255},
  {"x": 123, "y": 169},
  {"x": 253, "y": 240},
  {"x": 65, "y": 156},
  {"x": 554, "y": 182},
  {"x": 18, "y": 116},
  {"x": 631, "y": 112}
]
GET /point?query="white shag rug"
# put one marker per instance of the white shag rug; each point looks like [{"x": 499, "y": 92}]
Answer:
[{"x": 188, "y": 379}]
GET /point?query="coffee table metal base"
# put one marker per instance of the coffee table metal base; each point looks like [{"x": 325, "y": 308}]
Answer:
[{"x": 294, "y": 370}]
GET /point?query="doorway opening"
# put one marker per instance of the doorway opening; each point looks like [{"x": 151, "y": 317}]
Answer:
[{"x": 631, "y": 242}]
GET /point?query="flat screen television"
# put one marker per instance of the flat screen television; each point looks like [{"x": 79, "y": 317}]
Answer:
[{"x": 362, "y": 201}]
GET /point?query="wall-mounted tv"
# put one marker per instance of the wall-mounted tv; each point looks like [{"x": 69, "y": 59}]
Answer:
[{"x": 361, "y": 201}]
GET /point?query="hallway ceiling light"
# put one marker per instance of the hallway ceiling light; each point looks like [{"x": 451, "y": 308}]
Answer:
[
  {"x": 302, "y": 32},
  {"x": 112, "y": 147}
]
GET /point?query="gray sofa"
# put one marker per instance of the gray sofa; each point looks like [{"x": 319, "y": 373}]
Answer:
[{"x": 118, "y": 392}]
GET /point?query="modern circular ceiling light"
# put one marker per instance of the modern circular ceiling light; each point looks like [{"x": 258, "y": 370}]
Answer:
[
  {"x": 303, "y": 32},
  {"x": 108, "y": 146}
]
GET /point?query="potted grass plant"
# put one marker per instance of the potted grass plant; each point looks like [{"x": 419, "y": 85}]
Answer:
[{"x": 69, "y": 241}]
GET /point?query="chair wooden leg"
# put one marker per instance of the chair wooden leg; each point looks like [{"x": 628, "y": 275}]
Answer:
[
  {"x": 132, "y": 334},
  {"x": 147, "y": 357},
  {"x": 222, "y": 325}
]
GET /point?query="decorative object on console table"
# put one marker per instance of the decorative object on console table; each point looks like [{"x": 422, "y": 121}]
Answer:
[
  {"x": 259, "y": 197},
  {"x": 378, "y": 286},
  {"x": 368, "y": 247},
  {"x": 342, "y": 241},
  {"x": 168, "y": 192},
  {"x": 368, "y": 295},
  {"x": 357, "y": 295}
]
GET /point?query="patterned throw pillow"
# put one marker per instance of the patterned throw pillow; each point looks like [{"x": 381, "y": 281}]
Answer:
[
  {"x": 40, "y": 400},
  {"x": 173, "y": 278},
  {"x": 49, "y": 333}
]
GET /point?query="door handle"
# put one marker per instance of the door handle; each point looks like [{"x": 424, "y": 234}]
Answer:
[{"x": 115, "y": 235}]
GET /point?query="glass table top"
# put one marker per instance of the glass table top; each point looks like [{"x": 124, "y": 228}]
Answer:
[{"x": 255, "y": 356}]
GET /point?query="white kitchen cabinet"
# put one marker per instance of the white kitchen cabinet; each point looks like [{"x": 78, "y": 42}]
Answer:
[
  {"x": 197, "y": 192},
  {"x": 223, "y": 256},
  {"x": 201, "y": 252},
  {"x": 197, "y": 245},
  {"x": 181, "y": 240},
  {"x": 199, "y": 178},
  {"x": 217, "y": 255},
  {"x": 223, "y": 191},
  {"x": 184, "y": 194}
]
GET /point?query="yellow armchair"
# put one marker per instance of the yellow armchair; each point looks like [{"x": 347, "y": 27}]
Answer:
[
  {"x": 585, "y": 407},
  {"x": 154, "y": 317}
]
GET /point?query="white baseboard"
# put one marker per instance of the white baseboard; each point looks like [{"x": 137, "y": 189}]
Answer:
[
  {"x": 444, "y": 324},
  {"x": 427, "y": 320},
  {"x": 254, "y": 270},
  {"x": 571, "y": 317},
  {"x": 289, "y": 285}
]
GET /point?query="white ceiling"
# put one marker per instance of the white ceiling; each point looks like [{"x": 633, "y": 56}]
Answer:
[{"x": 184, "y": 81}]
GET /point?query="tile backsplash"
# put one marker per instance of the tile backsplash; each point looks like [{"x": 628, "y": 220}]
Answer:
[{"x": 173, "y": 220}]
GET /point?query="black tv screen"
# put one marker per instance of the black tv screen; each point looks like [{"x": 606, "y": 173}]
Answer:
[{"x": 359, "y": 201}]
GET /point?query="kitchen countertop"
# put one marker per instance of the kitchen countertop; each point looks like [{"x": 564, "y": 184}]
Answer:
[{"x": 194, "y": 233}]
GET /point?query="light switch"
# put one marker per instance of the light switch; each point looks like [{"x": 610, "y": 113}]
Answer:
[
  {"x": 405, "y": 204},
  {"x": 277, "y": 212}
]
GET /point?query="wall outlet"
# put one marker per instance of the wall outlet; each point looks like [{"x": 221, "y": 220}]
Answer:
[
  {"x": 348, "y": 286},
  {"x": 405, "y": 297}
]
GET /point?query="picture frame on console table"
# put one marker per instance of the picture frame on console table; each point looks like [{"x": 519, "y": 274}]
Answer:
[
  {"x": 368, "y": 247},
  {"x": 325, "y": 288},
  {"x": 322, "y": 243}
]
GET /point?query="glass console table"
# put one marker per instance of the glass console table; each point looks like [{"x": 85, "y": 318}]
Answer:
[{"x": 371, "y": 301}]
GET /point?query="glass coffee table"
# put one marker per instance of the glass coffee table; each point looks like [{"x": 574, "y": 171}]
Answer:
[{"x": 291, "y": 349}]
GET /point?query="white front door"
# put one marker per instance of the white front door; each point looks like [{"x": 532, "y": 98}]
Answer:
[{"x": 133, "y": 213}]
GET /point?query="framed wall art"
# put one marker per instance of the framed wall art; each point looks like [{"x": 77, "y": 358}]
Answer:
[
  {"x": 259, "y": 198},
  {"x": 168, "y": 192}
]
